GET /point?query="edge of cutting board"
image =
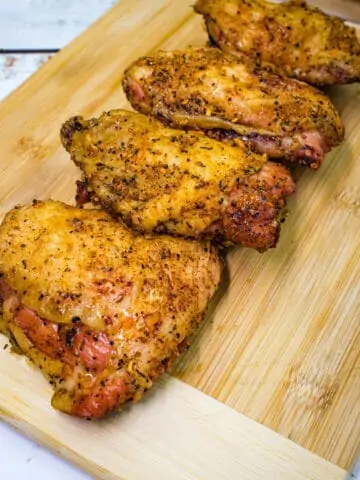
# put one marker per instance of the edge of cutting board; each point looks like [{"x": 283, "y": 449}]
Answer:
[{"x": 175, "y": 433}]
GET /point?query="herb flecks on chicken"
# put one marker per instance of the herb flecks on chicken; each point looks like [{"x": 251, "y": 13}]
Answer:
[
  {"x": 299, "y": 40},
  {"x": 231, "y": 98},
  {"x": 101, "y": 311},
  {"x": 160, "y": 179}
]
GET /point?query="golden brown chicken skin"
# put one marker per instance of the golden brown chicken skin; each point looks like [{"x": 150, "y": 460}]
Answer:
[
  {"x": 300, "y": 41},
  {"x": 206, "y": 89},
  {"x": 163, "y": 180},
  {"x": 101, "y": 311}
]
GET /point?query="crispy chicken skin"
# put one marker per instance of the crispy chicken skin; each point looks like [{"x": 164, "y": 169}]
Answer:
[
  {"x": 228, "y": 97},
  {"x": 100, "y": 310},
  {"x": 299, "y": 40},
  {"x": 163, "y": 180}
]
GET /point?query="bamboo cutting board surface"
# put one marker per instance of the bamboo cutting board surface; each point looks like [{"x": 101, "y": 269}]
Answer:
[{"x": 281, "y": 340}]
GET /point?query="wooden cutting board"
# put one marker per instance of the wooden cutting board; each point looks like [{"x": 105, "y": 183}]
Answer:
[{"x": 281, "y": 341}]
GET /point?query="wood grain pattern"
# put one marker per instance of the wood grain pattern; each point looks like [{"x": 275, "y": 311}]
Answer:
[
  {"x": 292, "y": 359},
  {"x": 175, "y": 433},
  {"x": 282, "y": 344}
]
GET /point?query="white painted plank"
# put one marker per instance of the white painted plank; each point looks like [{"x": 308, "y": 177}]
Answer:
[
  {"x": 15, "y": 69},
  {"x": 39, "y": 24},
  {"x": 21, "y": 459}
]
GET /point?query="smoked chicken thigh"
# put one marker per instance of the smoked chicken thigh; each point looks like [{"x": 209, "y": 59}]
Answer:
[
  {"x": 300, "y": 41},
  {"x": 230, "y": 97},
  {"x": 101, "y": 311},
  {"x": 163, "y": 180}
]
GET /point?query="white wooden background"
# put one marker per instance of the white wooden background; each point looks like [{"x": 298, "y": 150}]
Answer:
[{"x": 41, "y": 25}]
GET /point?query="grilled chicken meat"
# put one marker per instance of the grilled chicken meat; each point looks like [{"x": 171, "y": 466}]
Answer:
[
  {"x": 228, "y": 97},
  {"x": 164, "y": 180},
  {"x": 300, "y": 41},
  {"x": 101, "y": 311}
]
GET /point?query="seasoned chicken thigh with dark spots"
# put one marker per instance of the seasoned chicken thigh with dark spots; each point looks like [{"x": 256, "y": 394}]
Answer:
[
  {"x": 232, "y": 98},
  {"x": 163, "y": 180},
  {"x": 299, "y": 40},
  {"x": 100, "y": 310}
]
